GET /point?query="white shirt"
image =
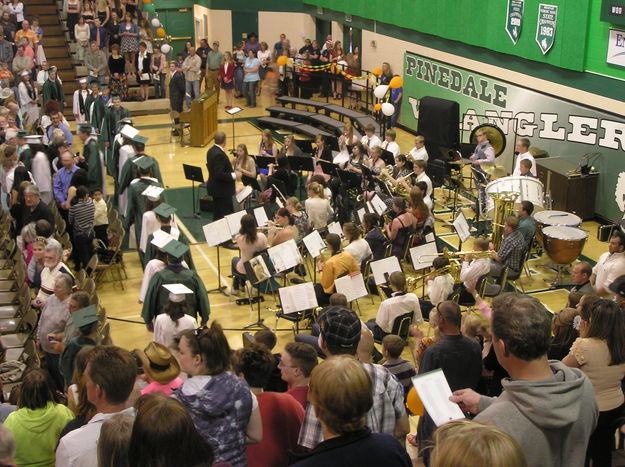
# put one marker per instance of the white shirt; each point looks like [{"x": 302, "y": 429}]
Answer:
[
  {"x": 399, "y": 304},
  {"x": 440, "y": 288},
  {"x": 517, "y": 166},
  {"x": 471, "y": 272},
  {"x": 418, "y": 154},
  {"x": 608, "y": 268},
  {"x": 359, "y": 249},
  {"x": 263, "y": 55},
  {"x": 428, "y": 202},
  {"x": 165, "y": 329},
  {"x": 370, "y": 143},
  {"x": 79, "y": 448},
  {"x": 318, "y": 210},
  {"x": 391, "y": 146},
  {"x": 424, "y": 178}
]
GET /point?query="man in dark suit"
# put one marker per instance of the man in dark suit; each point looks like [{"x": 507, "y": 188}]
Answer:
[
  {"x": 221, "y": 177},
  {"x": 176, "y": 90}
]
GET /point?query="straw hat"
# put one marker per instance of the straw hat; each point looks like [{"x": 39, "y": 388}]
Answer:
[{"x": 158, "y": 362}]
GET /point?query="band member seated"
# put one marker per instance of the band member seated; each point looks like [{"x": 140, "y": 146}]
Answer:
[
  {"x": 373, "y": 235},
  {"x": 318, "y": 207},
  {"x": 419, "y": 175},
  {"x": 484, "y": 151},
  {"x": 527, "y": 226},
  {"x": 249, "y": 241},
  {"x": 339, "y": 263},
  {"x": 440, "y": 283},
  {"x": 375, "y": 162},
  {"x": 525, "y": 167},
  {"x": 322, "y": 152},
  {"x": 300, "y": 217},
  {"x": 581, "y": 278},
  {"x": 401, "y": 226},
  {"x": 267, "y": 146},
  {"x": 290, "y": 148},
  {"x": 400, "y": 303},
  {"x": 283, "y": 229},
  {"x": 357, "y": 246},
  {"x": 389, "y": 143},
  {"x": 610, "y": 265},
  {"x": 472, "y": 270},
  {"x": 245, "y": 164},
  {"x": 400, "y": 170},
  {"x": 357, "y": 159},
  {"x": 281, "y": 171},
  {"x": 422, "y": 188},
  {"x": 418, "y": 153},
  {"x": 346, "y": 141},
  {"x": 370, "y": 140},
  {"x": 522, "y": 147},
  {"x": 419, "y": 209},
  {"x": 511, "y": 251}
]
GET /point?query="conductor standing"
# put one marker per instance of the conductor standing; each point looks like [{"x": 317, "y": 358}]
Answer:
[{"x": 221, "y": 177}]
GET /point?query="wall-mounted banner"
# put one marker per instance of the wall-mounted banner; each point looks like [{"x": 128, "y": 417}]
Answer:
[
  {"x": 616, "y": 48},
  {"x": 560, "y": 127},
  {"x": 546, "y": 27},
  {"x": 514, "y": 19}
]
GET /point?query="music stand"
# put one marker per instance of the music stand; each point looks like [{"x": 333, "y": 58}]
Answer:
[
  {"x": 258, "y": 269},
  {"x": 388, "y": 157},
  {"x": 193, "y": 173},
  {"x": 328, "y": 168},
  {"x": 300, "y": 164},
  {"x": 263, "y": 161},
  {"x": 233, "y": 111}
]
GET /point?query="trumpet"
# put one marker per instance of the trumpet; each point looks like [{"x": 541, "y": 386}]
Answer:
[{"x": 453, "y": 268}]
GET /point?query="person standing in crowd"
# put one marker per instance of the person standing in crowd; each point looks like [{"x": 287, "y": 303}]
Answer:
[
  {"x": 191, "y": 68},
  {"x": 214, "y": 62},
  {"x": 81, "y": 33},
  {"x": 129, "y": 45},
  {"x": 96, "y": 63},
  {"x": 296, "y": 363},
  {"x": 251, "y": 79},
  {"x": 82, "y": 218},
  {"x": 112, "y": 27},
  {"x": 53, "y": 89},
  {"x": 157, "y": 67},
  {"x": 117, "y": 72},
  {"x": 72, "y": 10},
  {"x": 202, "y": 52},
  {"x": 226, "y": 78},
  {"x": 78, "y": 101},
  {"x": 53, "y": 267},
  {"x": 177, "y": 87},
  {"x": 22, "y": 61},
  {"x": 221, "y": 177},
  {"x": 142, "y": 66},
  {"x": 29, "y": 98},
  {"x": 100, "y": 35}
]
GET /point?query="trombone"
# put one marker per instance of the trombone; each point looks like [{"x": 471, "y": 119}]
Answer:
[{"x": 456, "y": 254}]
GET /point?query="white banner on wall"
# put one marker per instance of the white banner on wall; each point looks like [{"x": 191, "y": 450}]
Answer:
[{"x": 616, "y": 48}]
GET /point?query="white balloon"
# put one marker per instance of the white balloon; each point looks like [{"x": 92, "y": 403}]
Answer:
[
  {"x": 380, "y": 91},
  {"x": 156, "y": 23},
  {"x": 388, "y": 109},
  {"x": 165, "y": 48}
]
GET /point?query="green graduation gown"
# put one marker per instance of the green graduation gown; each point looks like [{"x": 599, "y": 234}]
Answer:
[
  {"x": 26, "y": 156},
  {"x": 137, "y": 206},
  {"x": 150, "y": 250},
  {"x": 109, "y": 130},
  {"x": 53, "y": 90},
  {"x": 128, "y": 172},
  {"x": 94, "y": 164},
  {"x": 157, "y": 296}
]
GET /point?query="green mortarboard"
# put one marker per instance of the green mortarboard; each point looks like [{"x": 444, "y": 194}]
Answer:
[
  {"x": 164, "y": 210},
  {"x": 85, "y": 316},
  {"x": 86, "y": 128},
  {"x": 176, "y": 249},
  {"x": 103, "y": 87},
  {"x": 22, "y": 134},
  {"x": 143, "y": 162},
  {"x": 139, "y": 139}
]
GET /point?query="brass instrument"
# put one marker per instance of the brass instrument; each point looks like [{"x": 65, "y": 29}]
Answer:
[
  {"x": 398, "y": 188},
  {"x": 455, "y": 254},
  {"x": 504, "y": 207},
  {"x": 453, "y": 268}
]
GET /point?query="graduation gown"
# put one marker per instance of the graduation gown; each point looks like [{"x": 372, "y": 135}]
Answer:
[
  {"x": 54, "y": 90},
  {"x": 137, "y": 206},
  {"x": 157, "y": 296},
  {"x": 149, "y": 224},
  {"x": 81, "y": 110},
  {"x": 128, "y": 172},
  {"x": 125, "y": 152},
  {"x": 109, "y": 131},
  {"x": 150, "y": 250},
  {"x": 25, "y": 156},
  {"x": 95, "y": 173}
]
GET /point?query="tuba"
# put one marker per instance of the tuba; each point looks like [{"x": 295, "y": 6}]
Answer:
[{"x": 504, "y": 207}]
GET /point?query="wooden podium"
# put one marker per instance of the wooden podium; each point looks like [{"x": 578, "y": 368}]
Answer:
[{"x": 202, "y": 118}]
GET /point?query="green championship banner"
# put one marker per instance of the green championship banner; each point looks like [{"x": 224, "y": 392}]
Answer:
[
  {"x": 562, "y": 128},
  {"x": 514, "y": 19},
  {"x": 546, "y": 27}
]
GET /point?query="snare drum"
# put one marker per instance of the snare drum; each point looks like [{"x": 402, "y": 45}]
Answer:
[
  {"x": 547, "y": 218},
  {"x": 563, "y": 244},
  {"x": 528, "y": 188}
]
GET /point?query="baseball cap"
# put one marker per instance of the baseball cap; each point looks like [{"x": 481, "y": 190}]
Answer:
[{"x": 340, "y": 327}]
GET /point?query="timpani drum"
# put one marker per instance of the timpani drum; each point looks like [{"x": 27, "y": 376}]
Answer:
[
  {"x": 528, "y": 188},
  {"x": 546, "y": 218},
  {"x": 563, "y": 244}
]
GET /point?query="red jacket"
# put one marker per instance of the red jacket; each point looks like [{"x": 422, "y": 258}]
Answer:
[{"x": 226, "y": 76}]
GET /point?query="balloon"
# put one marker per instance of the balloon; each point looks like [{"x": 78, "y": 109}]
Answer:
[
  {"x": 396, "y": 82},
  {"x": 281, "y": 61},
  {"x": 413, "y": 402},
  {"x": 380, "y": 91},
  {"x": 150, "y": 8},
  {"x": 156, "y": 23},
  {"x": 388, "y": 109},
  {"x": 377, "y": 71},
  {"x": 147, "y": 2},
  {"x": 160, "y": 32},
  {"x": 377, "y": 107},
  {"x": 165, "y": 48}
]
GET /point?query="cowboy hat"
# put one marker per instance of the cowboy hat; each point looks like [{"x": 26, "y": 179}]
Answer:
[{"x": 159, "y": 363}]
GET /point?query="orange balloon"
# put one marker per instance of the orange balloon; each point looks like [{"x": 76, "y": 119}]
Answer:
[
  {"x": 377, "y": 71},
  {"x": 413, "y": 402},
  {"x": 147, "y": 2},
  {"x": 396, "y": 82},
  {"x": 377, "y": 107},
  {"x": 160, "y": 32},
  {"x": 281, "y": 61}
]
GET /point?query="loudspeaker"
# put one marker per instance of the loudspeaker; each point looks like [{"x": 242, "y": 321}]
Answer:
[{"x": 439, "y": 121}]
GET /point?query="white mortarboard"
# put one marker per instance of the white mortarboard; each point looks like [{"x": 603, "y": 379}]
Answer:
[
  {"x": 129, "y": 131},
  {"x": 153, "y": 192},
  {"x": 177, "y": 292}
]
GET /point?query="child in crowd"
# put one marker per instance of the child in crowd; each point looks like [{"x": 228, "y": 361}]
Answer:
[
  {"x": 160, "y": 369},
  {"x": 101, "y": 216},
  {"x": 392, "y": 347}
]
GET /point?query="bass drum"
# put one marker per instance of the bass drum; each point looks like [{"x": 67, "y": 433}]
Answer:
[
  {"x": 546, "y": 218},
  {"x": 528, "y": 188},
  {"x": 564, "y": 244}
]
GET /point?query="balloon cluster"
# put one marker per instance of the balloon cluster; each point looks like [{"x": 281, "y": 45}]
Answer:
[
  {"x": 157, "y": 25},
  {"x": 381, "y": 92}
]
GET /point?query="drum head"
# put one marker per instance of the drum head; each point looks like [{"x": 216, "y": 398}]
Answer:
[
  {"x": 558, "y": 218},
  {"x": 562, "y": 232},
  {"x": 529, "y": 189}
]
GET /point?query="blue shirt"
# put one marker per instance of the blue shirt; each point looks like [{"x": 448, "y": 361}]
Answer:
[
  {"x": 69, "y": 139},
  {"x": 395, "y": 94},
  {"x": 62, "y": 181},
  {"x": 249, "y": 64}
]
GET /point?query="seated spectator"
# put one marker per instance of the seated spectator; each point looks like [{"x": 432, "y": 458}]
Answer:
[
  {"x": 21, "y": 61},
  {"x": 114, "y": 441},
  {"x": 341, "y": 394},
  {"x": 7, "y": 447},
  {"x": 77, "y": 399},
  {"x": 563, "y": 328},
  {"x": 37, "y": 423},
  {"x": 53, "y": 266},
  {"x": 280, "y": 413},
  {"x": 161, "y": 369},
  {"x": 392, "y": 348},
  {"x": 268, "y": 338},
  {"x": 164, "y": 434}
]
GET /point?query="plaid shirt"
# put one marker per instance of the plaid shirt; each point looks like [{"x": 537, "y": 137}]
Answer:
[
  {"x": 512, "y": 250},
  {"x": 388, "y": 407}
]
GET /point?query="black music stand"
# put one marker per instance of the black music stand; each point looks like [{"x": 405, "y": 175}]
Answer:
[
  {"x": 254, "y": 278},
  {"x": 388, "y": 157},
  {"x": 233, "y": 111},
  {"x": 328, "y": 168},
  {"x": 350, "y": 179},
  {"x": 193, "y": 173},
  {"x": 301, "y": 164},
  {"x": 262, "y": 162}
]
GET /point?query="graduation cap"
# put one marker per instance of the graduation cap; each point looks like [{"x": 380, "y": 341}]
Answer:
[
  {"x": 116, "y": 97},
  {"x": 177, "y": 292},
  {"x": 85, "y": 316},
  {"x": 86, "y": 128},
  {"x": 160, "y": 239},
  {"x": 139, "y": 139},
  {"x": 164, "y": 210},
  {"x": 153, "y": 192},
  {"x": 82, "y": 80},
  {"x": 25, "y": 73},
  {"x": 176, "y": 249},
  {"x": 129, "y": 131},
  {"x": 22, "y": 134},
  {"x": 34, "y": 139},
  {"x": 143, "y": 162}
]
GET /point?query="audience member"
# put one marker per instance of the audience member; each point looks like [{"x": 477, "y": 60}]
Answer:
[
  {"x": 161, "y": 369},
  {"x": 392, "y": 348},
  {"x": 114, "y": 442},
  {"x": 296, "y": 364}
]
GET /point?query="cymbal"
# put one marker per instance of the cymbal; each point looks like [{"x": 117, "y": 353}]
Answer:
[
  {"x": 460, "y": 162},
  {"x": 487, "y": 165},
  {"x": 495, "y": 171}
]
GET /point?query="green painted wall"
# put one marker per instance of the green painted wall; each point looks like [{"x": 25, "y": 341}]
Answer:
[{"x": 598, "y": 45}]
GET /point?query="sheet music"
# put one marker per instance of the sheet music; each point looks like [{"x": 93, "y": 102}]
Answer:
[
  {"x": 314, "y": 243},
  {"x": 234, "y": 110},
  {"x": 335, "y": 228},
  {"x": 361, "y": 214},
  {"x": 341, "y": 158},
  {"x": 382, "y": 266},
  {"x": 434, "y": 392},
  {"x": 379, "y": 205},
  {"x": 259, "y": 268},
  {"x": 370, "y": 207},
  {"x": 217, "y": 232},
  {"x": 261, "y": 216},
  {"x": 161, "y": 238},
  {"x": 422, "y": 256},
  {"x": 430, "y": 237},
  {"x": 284, "y": 256},
  {"x": 244, "y": 193},
  {"x": 298, "y": 297},
  {"x": 234, "y": 221},
  {"x": 462, "y": 227},
  {"x": 352, "y": 286}
]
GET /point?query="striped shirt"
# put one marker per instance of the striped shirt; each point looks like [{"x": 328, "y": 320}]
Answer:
[
  {"x": 388, "y": 407},
  {"x": 82, "y": 216},
  {"x": 403, "y": 371}
]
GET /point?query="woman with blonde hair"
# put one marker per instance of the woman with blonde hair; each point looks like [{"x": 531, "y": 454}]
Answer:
[
  {"x": 245, "y": 164},
  {"x": 318, "y": 207},
  {"x": 290, "y": 148},
  {"x": 465, "y": 442},
  {"x": 267, "y": 146},
  {"x": 300, "y": 217}
]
